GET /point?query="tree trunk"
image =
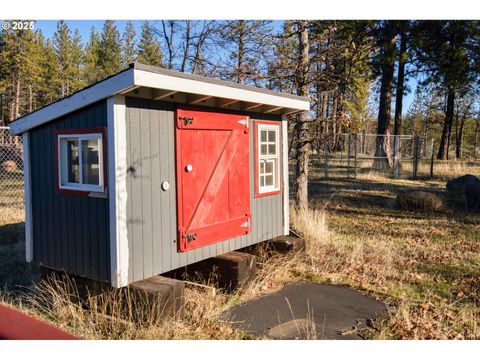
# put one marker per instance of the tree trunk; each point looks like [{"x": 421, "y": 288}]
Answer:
[
  {"x": 334, "y": 122},
  {"x": 301, "y": 125},
  {"x": 384, "y": 112},
  {"x": 476, "y": 141},
  {"x": 400, "y": 84},
  {"x": 240, "y": 57},
  {"x": 447, "y": 126},
  {"x": 17, "y": 98},
  {"x": 30, "y": 98}
]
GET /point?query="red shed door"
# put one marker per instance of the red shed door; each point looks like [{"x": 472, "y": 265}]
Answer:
[{"x": 212, "y": 176}]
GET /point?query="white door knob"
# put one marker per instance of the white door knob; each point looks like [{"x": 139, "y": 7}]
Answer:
[
  {"x": 165, "y": 185},
  {"x": 189, "y": 168}
]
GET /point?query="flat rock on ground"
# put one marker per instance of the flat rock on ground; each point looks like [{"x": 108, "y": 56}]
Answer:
[{"x": 306, "y": 311}]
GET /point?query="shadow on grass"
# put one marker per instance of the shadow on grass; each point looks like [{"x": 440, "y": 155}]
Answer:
[{"x": 15, "y": 272}]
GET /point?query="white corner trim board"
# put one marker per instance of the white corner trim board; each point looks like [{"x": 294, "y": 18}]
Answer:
[
  {"x": 117, "y": 189},
  {"x": 28, "y": 198},
  {"x": 286, "y": 190}
]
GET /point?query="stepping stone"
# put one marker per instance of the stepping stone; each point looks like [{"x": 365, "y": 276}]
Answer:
[{"x": 333, "y": 309}]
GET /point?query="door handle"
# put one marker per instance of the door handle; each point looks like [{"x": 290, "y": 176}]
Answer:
[{"x": 188, "y": 168}]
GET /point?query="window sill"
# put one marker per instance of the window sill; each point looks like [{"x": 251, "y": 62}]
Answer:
[
  {"x": 268, "y": 193},
  {"x": 84, "y": 193}
]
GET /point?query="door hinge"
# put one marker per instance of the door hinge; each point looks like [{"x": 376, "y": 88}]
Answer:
[
  {"x": 246, "y": 224},
  {"x": 187, "y": 120},
  {"x": 245, "y": 122},
  {"x": 190, "y": 237}
]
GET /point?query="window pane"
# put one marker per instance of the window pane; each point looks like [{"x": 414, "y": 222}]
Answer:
[
  {"x": 263, "y": 150},
  {"x": 262, "y": 181},
  {"x": 271, "y": 136},
  {"x": 269, "y": 180},
  {"x": 90, "y": 162},
  {"x": 272, "y": 149},
  {"x": 269, "y": 167},
  {"x": 73, "y": 169},
  {"x": 263, "y": 135},
  {"x": 262, "y": 167}
]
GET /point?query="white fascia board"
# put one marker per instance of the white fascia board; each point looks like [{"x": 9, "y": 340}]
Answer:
[
  {"x": 161, "y": 81},
  {"x": 90, "y": 95},
  {"x": 117, "y": 189}
]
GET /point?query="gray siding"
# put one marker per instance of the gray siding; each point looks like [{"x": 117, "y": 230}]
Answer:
[
  {"x": 151, "y": 212},
  {"x": 69, "y": 232}
]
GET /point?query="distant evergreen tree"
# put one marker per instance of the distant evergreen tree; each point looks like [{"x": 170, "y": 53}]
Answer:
[
  {"x": 50, "y": 84},
  {"x": 149, "y": 49},
  {"x": 129, "y": 50},
  {"x": 110, "y": 50},
  {"x": 19, "y": 57},
  {"x": 448, "y": 50},
  {"x": 78, "y": 60},
  {"x": 92, "y": 71},
  {"x": 69, "y": 52}
]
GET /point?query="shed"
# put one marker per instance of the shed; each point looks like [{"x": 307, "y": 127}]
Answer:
[{"x": 151, "y": 170}]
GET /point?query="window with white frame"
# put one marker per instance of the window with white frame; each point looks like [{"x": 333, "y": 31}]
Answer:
[
  {"x": 80, "y": 162},
  {"x": 268, "y": 136}
]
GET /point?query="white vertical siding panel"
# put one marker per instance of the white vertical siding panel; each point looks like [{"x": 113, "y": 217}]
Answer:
[
  {"x": 117, "y": 189},
  {"x": 286, "y": 190}
]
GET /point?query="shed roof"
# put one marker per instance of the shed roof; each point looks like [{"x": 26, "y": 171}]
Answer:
[{"x": 167, "y": 85}]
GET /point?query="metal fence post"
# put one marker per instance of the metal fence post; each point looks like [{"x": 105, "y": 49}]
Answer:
[
  {"x": 348, "y": 153},
  {"x": 416, "y": 150},
  {"x": 325, "y": 157},
  {"x": 396, "y": 158},
  {"x": 355, "y": 155},
  {"x": 432, "y": 157}
]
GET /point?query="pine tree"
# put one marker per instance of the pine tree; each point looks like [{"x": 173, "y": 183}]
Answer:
[
  {"x": 109, "y": 51},
  {"x": 78, "y": 62},
  {"x": 386, "y": 36},
  {"x": 129, "y": 50},
  {"x": 50, "y": 84},
  {"x": 18, "y": 62},
  {"x": 447, "y": 51},
  {"x": 92, "y": 70},
  {"x": 149, "y": 49},
  {"x": 248, "y": 44},
  {"x": 282, "y": 64},
  {"x": 68, "y": 50}
]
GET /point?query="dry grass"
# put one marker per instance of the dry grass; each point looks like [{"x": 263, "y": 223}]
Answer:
[{"x": 424, "y": 266}]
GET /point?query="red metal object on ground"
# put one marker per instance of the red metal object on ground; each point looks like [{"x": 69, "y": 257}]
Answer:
[
  {"x": 17, "y": 326},
  {"x": 213, "y": 177}
]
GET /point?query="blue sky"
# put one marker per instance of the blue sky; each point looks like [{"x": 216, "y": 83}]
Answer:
[{"x": 48, "y": 27}]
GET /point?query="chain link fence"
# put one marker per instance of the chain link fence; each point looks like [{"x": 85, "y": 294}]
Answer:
[
  {"x": 368, "y": 155},
  {"x": 11, "y": 177}
]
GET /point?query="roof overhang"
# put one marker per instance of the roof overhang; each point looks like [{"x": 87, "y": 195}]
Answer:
[{"x": 160, "y": 84}]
